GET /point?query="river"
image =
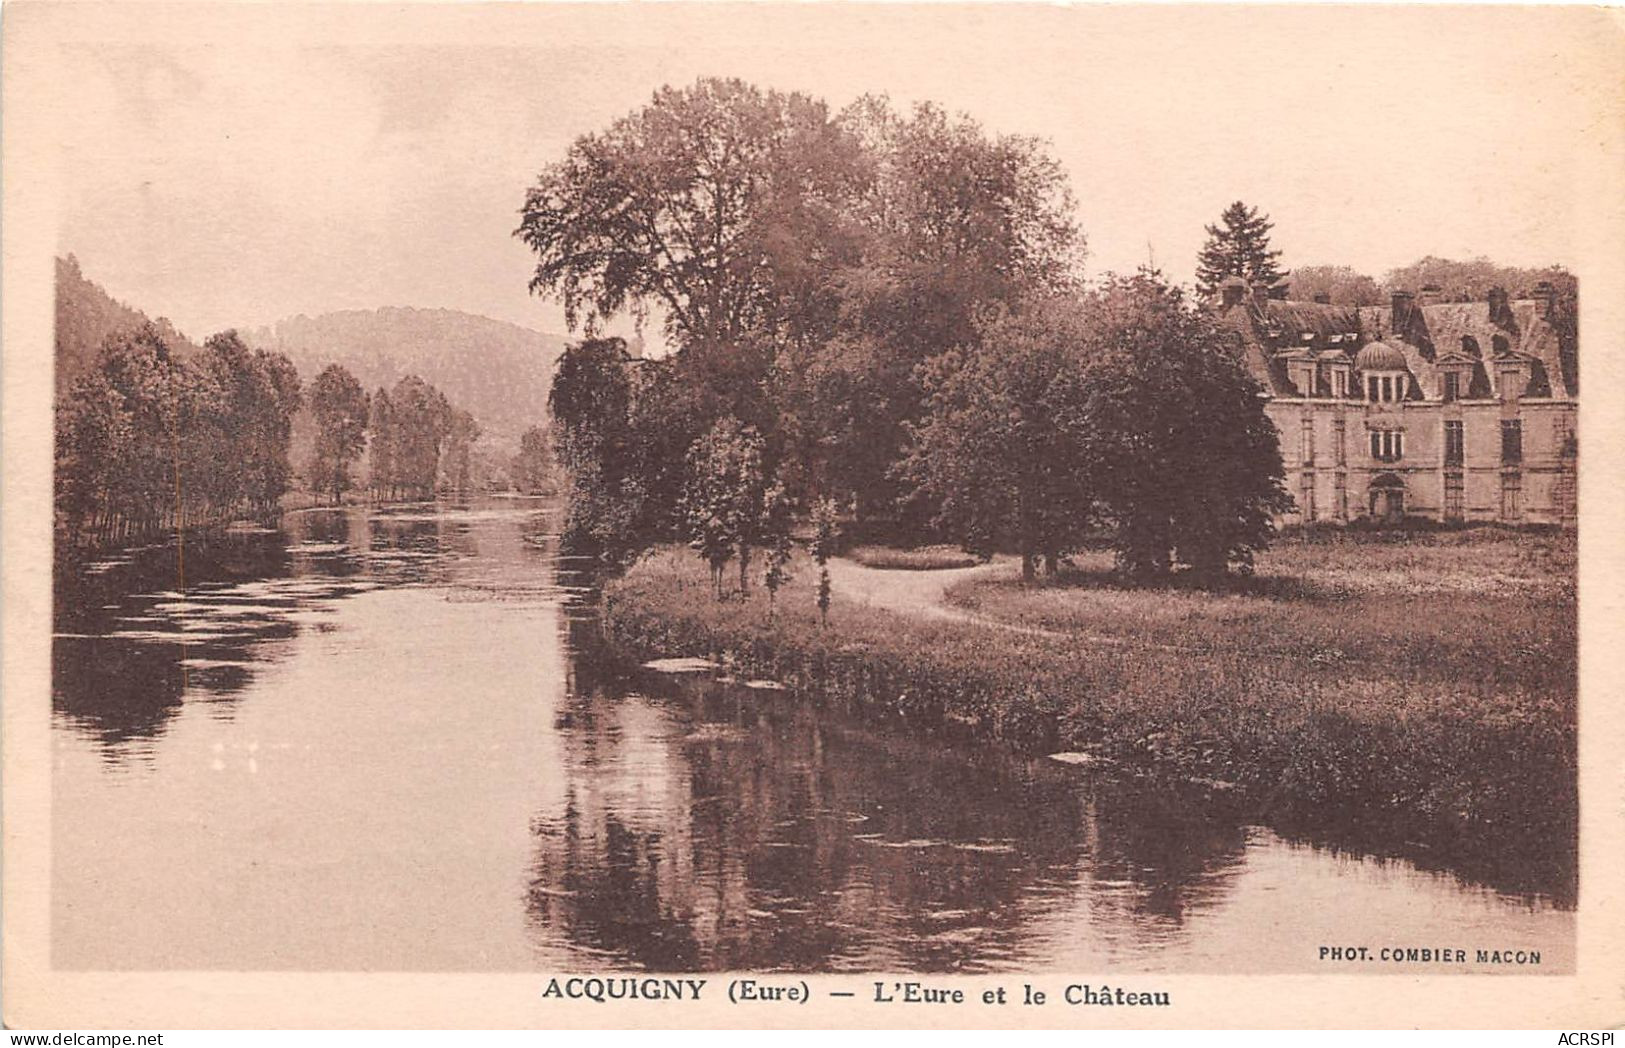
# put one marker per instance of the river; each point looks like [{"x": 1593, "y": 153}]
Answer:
[{"x": 366, "y": 742}]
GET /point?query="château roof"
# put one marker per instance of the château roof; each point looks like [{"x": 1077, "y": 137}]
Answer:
[{"x": 1423, "y": 335}]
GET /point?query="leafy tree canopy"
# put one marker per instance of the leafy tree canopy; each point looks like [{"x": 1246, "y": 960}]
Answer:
[
  {"x": 724, "y": 496},
  {"x": 1001, "y": 450},
  {"x": 803, "y": 263},
  {"x": 1341, "y": 285},
  {"x": 1471, "y": 280},
  {"x": 341, "y": 410},
  {"x": 689, "y": 204},
  {"x": 1187, "y": 463}
]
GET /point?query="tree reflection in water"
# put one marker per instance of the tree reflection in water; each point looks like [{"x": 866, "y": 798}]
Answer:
[
  {"x": 137, "y": 632},
  {"x": 712, "y": 827}
]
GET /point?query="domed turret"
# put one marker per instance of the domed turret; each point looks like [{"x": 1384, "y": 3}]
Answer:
[{"x": 1379, "y": 356}]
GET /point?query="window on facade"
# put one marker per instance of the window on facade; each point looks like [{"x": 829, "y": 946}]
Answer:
[
  {"x": 1372, "y": 386},
  {"x": 1452, "y": 385},
  {"x": 1341, "y": 484},
  {"x": 1511, "y": 440},
  {"x": 1340, "y": 441},
  {"x": 1306, "y": 500},
  {"x": 1454, "y": 444},
  {"x": 1387, "y": 445},
  {"x": 1308, "y": 443},
  {"x": 1511, "y": 495},
  {"x": 1562, "y": 435},
  {"x": 1387, "y": 388},
  {"x": 1455, "y": 496}
]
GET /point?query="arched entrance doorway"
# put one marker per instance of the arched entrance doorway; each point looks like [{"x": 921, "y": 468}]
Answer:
[{"x": 1387, "y": 498}]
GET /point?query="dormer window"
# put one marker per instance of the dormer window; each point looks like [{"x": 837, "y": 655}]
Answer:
[
  {"x": 1385, "y": 389},
  {"x": 1452, "y": 385}
]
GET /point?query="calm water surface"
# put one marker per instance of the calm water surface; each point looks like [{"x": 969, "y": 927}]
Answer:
[{"x": 365, "y": 742}]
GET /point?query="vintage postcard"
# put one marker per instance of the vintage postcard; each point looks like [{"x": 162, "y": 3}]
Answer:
[{"x": 821, "y": 515}]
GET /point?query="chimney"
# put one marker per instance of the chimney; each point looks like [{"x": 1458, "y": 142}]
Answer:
[
  {"x": 1401, "y": 311},
  {"x": 1431, "y": 295},
  {"x": 1545, "y": 296},
  {"x": 1500, "y": 314},
  {"x": 1279, "y": 289},
  {"x": 1323, "y": 298},
  {"x": 1261, "y": 293},
  {"x": 1231, "y": 291}
]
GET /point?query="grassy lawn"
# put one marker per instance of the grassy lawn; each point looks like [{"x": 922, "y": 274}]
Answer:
[
  {"x": 1487, "y": 606},
  {"x": 1422, "y": 690}
]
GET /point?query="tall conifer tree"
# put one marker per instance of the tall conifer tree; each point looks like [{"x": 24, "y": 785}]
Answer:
[{"x": 1239, "y": 246}]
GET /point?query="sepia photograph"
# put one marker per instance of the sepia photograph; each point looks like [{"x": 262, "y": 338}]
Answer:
[{"x": 675, "y": 505}]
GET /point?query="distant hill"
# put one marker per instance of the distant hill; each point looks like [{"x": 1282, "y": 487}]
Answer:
[
  {"x": 500, "y": 372},
  {"x": 86, "y": 316}
]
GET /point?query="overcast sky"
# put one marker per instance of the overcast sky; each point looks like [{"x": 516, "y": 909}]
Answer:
[{"x": 252, "y": 172}]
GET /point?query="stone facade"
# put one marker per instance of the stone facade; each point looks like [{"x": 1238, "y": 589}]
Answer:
[{"x": 1461, "y": 411}]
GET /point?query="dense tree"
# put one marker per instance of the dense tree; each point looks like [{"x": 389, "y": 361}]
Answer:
[
  {"x": 340, "y": 407},
  {"x": 777, "y": 518},
  {"x": 274, "y": 430},
  {"x": 669, "y": 411},
  {"x": 260, "y": 392},
  {"x": 457, "y": 456},
  {"x": 826, "y": 530},
  {"x": 117, "y": 458},
  {"x": 422, "y": 419},
  {"x": 1341, "y": 285},
  {"x": 1001, "y": 450},
  {"x": 1238, "y": 246},
  {"x": 955, "y": 222},
  {"x": 148, "y": 441},
  {"x": 591, "y": 403},
  {"x": 686, "y": 205},
  {"x": 803, "y": 265},
  {"x": 381, "y": 464},
  {"x": 1185, "y": 462},
  {"x": 532, "y": 468},
  {"x": 724, "y": 496},
  {"x": 411, "y": 422},
  {"x": 1471, "y": 280}
]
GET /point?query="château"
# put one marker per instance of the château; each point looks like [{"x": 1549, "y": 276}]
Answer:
[{"x": 1421, "y": 408}]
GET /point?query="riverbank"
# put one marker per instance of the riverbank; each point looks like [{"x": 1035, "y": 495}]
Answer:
[{"x": 1418, "y": 695}]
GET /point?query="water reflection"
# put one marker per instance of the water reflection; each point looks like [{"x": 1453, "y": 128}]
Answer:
[
  {"x": 711, "y": 826},
  {"x": 137, "y": 632},
  {"x": 379, "y": 740}
]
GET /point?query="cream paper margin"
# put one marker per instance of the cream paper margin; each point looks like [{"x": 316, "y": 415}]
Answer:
[{"x": 1588, "y": 185}]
